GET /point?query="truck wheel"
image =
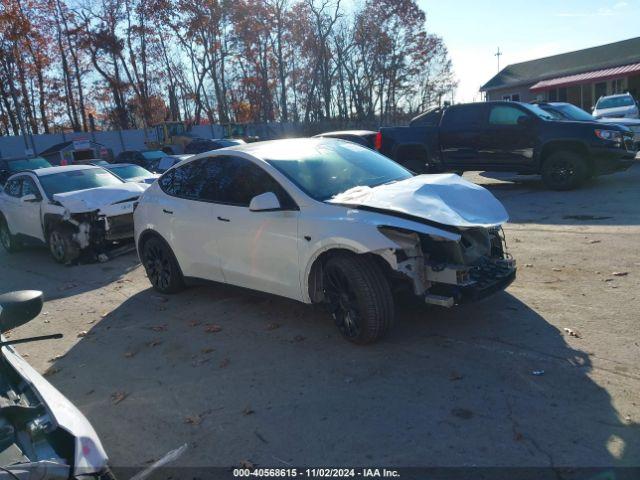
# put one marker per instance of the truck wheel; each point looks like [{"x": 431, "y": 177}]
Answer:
[
  {"x": 9, "y": 242},
  {"x": 564, "y": 170},
  {"x": 62, "y": 246},
  {"x": 162, "y": 266},
  {"x": 358, "y": 297}
]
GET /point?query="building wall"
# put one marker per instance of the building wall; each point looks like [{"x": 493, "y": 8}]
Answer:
[{"x": 523, "y": 94}]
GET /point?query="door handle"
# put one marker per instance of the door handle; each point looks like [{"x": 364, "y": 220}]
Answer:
[
  {"x": 222, "y": 219},
  {"x": 170, "y": 212}
]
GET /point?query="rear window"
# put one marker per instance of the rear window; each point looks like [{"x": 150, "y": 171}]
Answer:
[
  {"x": 130, "y": 171},
  {"x": 614, "y": 102},
  {"x": 463, "y": 116},
  {"x": 153, "y": 154}
]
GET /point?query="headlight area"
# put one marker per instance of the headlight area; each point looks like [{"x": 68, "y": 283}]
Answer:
[{"x": 446, "y": 272}]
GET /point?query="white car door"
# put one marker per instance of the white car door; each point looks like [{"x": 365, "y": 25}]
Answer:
[
  {"x": 29, "y": 220},
  {"x": 185, "y": 218},
  {"x": 10, "y": 203},
  {"x": 258, "y": 250}
]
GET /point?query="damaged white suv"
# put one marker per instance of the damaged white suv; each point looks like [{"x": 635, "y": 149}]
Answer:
[
  {"x": 323, "y": 221},
  {"x": 70, "y": 209}
]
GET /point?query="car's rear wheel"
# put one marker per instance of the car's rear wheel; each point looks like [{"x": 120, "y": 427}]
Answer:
[
  {"x": 162, "y": 266},
  {"x": 62, "y": 246},
  {"x": 359, "y": 298},
  {"x": 9, "y": 242},
  {"x": 564, "y": 170}
]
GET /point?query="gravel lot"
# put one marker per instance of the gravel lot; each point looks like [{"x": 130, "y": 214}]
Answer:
[{"x": 238, "y": 375}]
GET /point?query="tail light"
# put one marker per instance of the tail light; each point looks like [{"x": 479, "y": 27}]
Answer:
[{"x": 378, "y": 141}]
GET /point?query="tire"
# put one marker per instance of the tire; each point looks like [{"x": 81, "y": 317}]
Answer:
[
  {"x": 161, "y": 266},
  {"x": 359, "y": 298},
  {"x": 9, "y": 242},
  {"x": 564, "y": 170},
  {"x": 62, "y": 247}
]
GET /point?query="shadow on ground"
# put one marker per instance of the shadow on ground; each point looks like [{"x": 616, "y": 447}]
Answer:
[
  {"x": 243, "y": 376},
  {"x": 528, "y": 201}
]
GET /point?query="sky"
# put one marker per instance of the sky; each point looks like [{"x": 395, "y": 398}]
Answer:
[{"x": 524, "y": 30}]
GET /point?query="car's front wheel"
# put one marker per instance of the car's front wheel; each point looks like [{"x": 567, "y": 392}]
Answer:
[
  {"x": 9, "y": 242},
  {"x": 359, "y": 298},
  {"x": 564, "y": 170},
  {"x": 161, "y": 266},
  {"x": 62, "y": 246}
]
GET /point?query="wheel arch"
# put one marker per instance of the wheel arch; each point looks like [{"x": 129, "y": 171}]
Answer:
[{"x": 573, "y": 146}]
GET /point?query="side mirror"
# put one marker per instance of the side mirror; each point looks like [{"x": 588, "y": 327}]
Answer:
[
  {"x": 264, "y": 202},
  {"x": 17, "y": 308},
  {"x": 525, "y": 121},
  {"x": 29, "y": 197}
]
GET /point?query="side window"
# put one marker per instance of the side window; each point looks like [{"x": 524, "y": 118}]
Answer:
[
  {"x": 463, "y": 117},
  {"x": 13, "y": 187},
  {"x": 193, "y": 181},
  {"x": 29, "y": 187},
  {"x": 505, "y": 115},
  {"x": 242, "y": 180}
]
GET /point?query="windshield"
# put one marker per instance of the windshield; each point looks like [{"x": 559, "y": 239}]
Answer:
[
  {"x": 538, "y": 112},
  {"x": 325, "y": 169},
  {"x": 130, "y": 171},
  {"x": 153, "y": 154},
  {"x": 27, "y": 164},
  {"x": 77, "y": 180},
  {"x": 572, "y": 112},
  {"x": 614, "y": 102}
]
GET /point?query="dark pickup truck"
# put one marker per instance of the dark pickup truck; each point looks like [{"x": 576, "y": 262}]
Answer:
[{"x": 509, "y": 136}]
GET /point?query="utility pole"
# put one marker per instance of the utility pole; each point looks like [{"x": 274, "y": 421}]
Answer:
[{"x": 498, "y": 54}]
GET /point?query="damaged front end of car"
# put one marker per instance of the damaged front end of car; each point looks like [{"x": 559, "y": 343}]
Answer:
[{"x": 449, "y": 272}]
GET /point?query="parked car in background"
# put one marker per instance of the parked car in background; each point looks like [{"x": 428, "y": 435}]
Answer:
[
  {"x": 42, "y": 434},
  {"x": 70, "y": 209},
  {"x": 323, "y": 221},
  {"x": 618, "y": 106},
  {"x": 130, "y": 172},
  {"x": 568, "y": 111},
  {"x": 144, "y": 158},
  {"x": 163, "y": 164},
  {"x": 509, "y": 136},
  {"x": 363, "y": 137},
  {"x": 205, "y": 145},
  {"x": 9, "y": 166}
]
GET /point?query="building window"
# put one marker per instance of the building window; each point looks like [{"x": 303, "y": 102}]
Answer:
[
  {"x": 617, "y": 85},
  {"x": 515, "y": 97},
  {"x": 506, "y": 98},
  {"x": 600, "y": 90},
  {"x": 562, "y": 94},
  {"x": 553, "y": 95}
]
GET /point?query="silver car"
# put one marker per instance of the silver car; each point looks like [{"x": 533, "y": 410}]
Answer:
[{"x": 618, "y": 106}]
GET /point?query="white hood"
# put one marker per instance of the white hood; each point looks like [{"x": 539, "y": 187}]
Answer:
[
  {"x": 95, "y": 198},
  {"x": 444, "y": 198}
]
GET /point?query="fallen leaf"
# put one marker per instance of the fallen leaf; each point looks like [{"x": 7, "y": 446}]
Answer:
[
  {"x": 620, "y": 274},
  {"x": 154, "y": 343},
  {"x": 595, "y": 241},
  {"x": 194, "y": 323},
  {"x": 248, "y": 411},
  {"x": 537, "y": 373},
  {"x": 299, "y": 338},
  {"x": 213, "y": 328},
  {"x": 556, "y": 269},
  {"x": 273, "y": 326},
  {"x": 453, "y": 376},
  {"x": 83, "y": 333},
  {"x": 246, "y": 464},
  {"x": 207, "y": 350},
  {"x": 117, "y": 397},
  {"x": 51, "y": 371},
  {"x": 47, "y": 320},
  {"x": 130, "y": 354},
  {"x": 225, "y": 363},
  {"x": 159, "y": 328},
  {"x": 193, "y": 420},
  {"x": 528, "y": 265},
  {"x": 571, "y": 333},
  {"x": 517, "y": 436},
  {"x": 56, "y": 358}
]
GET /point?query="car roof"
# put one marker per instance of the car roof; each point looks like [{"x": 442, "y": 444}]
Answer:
[
  {"x": 41, "y": 172},
  {"x": 266, "y": 149},
  {"x": 347, "y": 132},
  {"x": 617, "y": 95}
]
